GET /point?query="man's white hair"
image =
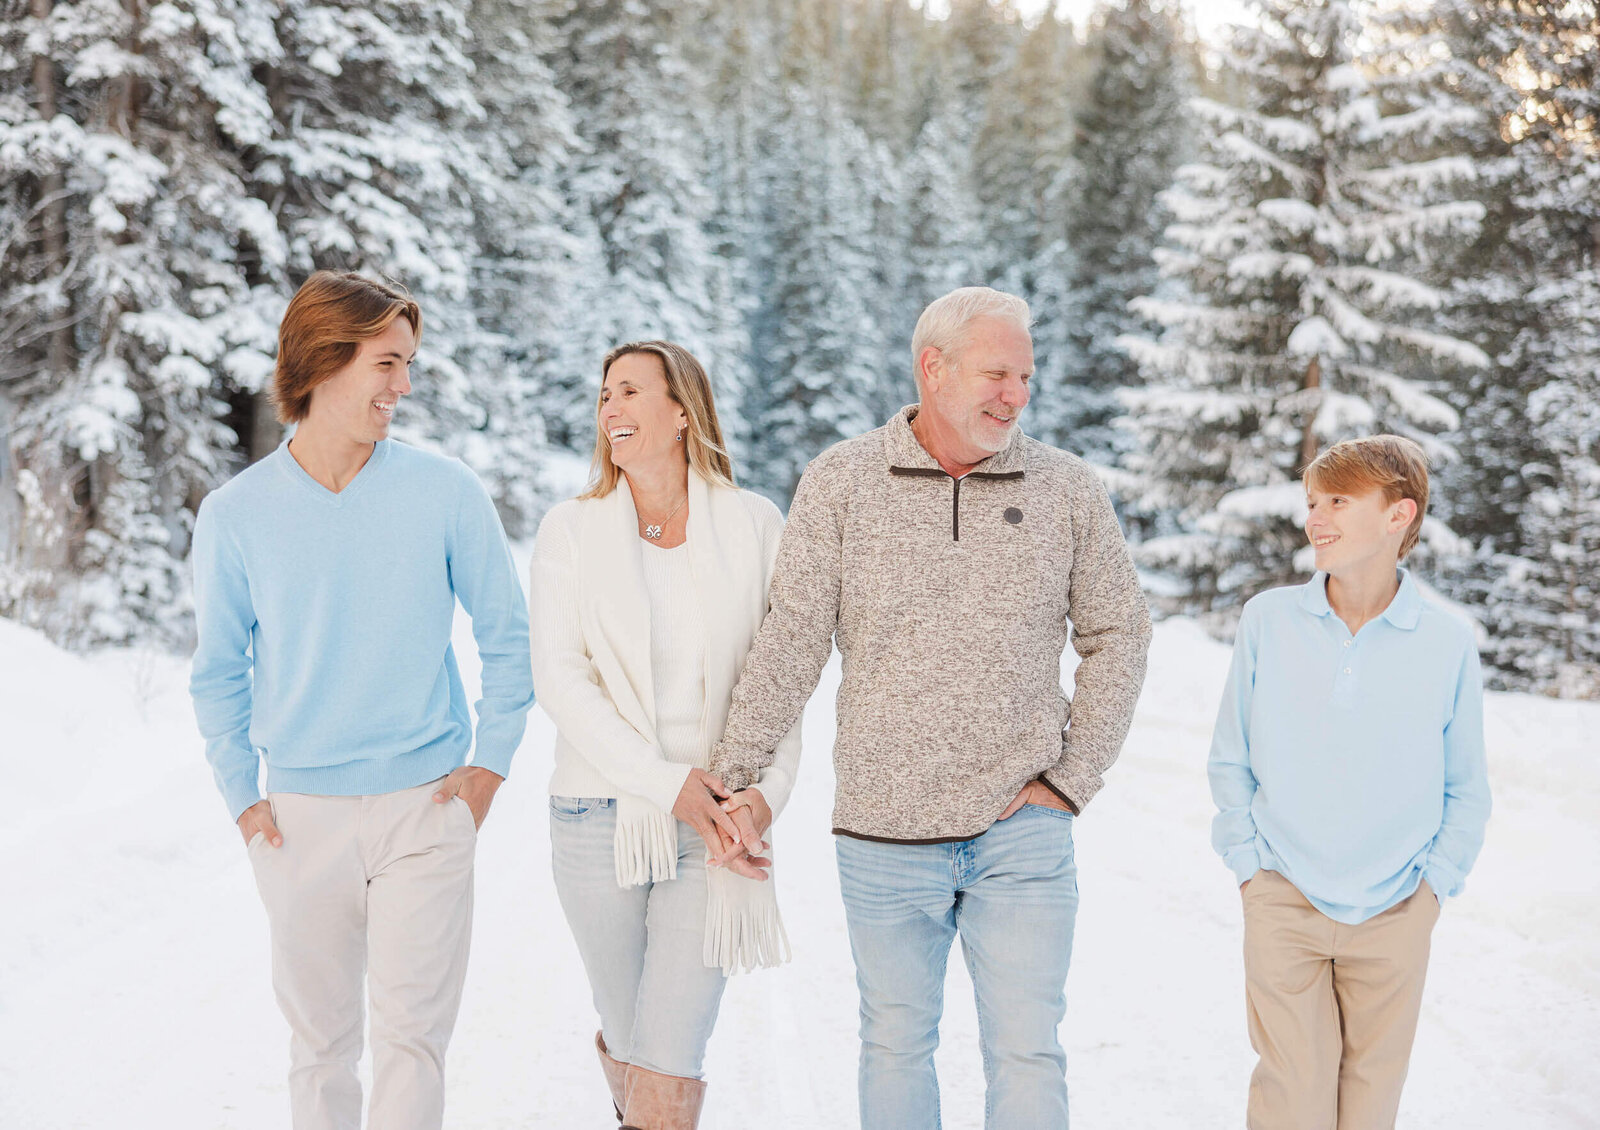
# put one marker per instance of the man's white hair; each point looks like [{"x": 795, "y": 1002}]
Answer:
[{"x": 943, "y": 325}]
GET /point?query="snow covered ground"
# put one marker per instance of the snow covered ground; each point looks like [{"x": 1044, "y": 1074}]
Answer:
[{"x": 133, "y": 952}]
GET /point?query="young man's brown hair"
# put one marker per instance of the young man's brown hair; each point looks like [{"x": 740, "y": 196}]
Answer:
[
  {"x": 323, "y": 328},
  {"x": 1393, "y": 464}
]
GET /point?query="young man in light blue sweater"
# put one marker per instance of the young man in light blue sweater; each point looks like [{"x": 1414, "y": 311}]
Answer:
[
  {"x": 326, "y": 578},
  {"x": 1348, "y": 771}
]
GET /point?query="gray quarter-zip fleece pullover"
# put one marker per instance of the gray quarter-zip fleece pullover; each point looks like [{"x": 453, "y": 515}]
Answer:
[{"x": 952, "y": 601}]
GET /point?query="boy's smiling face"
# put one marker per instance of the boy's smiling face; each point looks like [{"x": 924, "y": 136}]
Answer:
[
  {"x": 1350, "y": 530},
  {"x": 357, "y": 402}
]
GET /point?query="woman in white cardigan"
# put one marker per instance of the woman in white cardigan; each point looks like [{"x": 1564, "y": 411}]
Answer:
[{"x": 647, "y": 591}]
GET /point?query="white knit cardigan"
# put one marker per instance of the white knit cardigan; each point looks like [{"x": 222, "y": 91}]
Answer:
[{"x": 592, "y": 675}]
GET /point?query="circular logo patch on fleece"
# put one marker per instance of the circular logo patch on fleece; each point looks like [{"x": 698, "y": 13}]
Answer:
[{"x": 1013, "y": 515}]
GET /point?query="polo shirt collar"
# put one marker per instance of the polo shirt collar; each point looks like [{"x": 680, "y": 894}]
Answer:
[
  {"x": 1314, "y": 595},
  {"x": 903, "y": 449},
  {"x": 1403, "y": 612},
  {"x": 1406, "y": 608}
]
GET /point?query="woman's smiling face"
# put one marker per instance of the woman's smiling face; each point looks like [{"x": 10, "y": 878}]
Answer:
[{"x": 638, "y": 415}]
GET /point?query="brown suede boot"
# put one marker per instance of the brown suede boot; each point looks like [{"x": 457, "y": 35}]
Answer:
[
  {"x": 616, "y": 1075},
  {"x": 662, "y": 1102}
]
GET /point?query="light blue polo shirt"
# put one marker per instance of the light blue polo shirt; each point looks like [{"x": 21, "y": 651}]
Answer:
[{"x": 1352, "y": 765}]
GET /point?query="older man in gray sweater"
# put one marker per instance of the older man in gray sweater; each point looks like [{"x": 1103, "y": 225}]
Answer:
[{"x": 952, "y": 557}]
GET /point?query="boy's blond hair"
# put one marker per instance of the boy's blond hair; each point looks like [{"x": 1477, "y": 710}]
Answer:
[{"x": 1393, "y": 464}]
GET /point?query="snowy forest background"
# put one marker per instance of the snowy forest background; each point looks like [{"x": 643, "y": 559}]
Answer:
[{"x": 1346, "y": 216}]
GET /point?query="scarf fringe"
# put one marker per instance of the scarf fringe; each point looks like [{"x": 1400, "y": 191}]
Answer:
[
  {"x": 645, "y": 847},
  {"x": 744, "y": 930}
]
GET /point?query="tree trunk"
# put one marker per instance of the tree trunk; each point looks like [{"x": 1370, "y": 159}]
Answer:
[
  {"x": 125, "y": 103},
  {"x": 1308, "y": 437},
  {"x": 265, "y": 431},
  {"x": 52, "y": 191}
]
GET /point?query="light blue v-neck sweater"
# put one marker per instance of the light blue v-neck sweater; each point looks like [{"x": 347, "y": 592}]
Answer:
[{"x": 324, "y": 627}]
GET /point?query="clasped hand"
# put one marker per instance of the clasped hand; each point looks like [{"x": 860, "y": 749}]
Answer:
[{"x": 731, "y": 824}]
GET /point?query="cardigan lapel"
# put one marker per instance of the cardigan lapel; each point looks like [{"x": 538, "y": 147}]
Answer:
[
  {"x": 730, "y": 579},
  {"x": 616, "y": 606}
]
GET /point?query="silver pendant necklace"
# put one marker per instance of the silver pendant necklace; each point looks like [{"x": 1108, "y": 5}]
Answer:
[{"x": 654, "y": 532}]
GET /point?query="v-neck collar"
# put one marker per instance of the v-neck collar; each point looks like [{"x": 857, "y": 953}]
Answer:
[{"x": 369, "y": 469}]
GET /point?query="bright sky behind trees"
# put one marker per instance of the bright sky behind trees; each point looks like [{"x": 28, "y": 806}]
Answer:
[{"x": 1208, "y": 15}]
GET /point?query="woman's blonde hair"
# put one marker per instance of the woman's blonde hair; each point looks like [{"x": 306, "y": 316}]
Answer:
[{"x": 690, "y": 389}]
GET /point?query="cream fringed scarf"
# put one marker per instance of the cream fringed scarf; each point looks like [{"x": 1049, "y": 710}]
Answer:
[{"x": 743, "y": 929}]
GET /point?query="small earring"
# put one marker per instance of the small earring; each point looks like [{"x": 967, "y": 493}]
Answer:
[{"x": 680, "y": 435}]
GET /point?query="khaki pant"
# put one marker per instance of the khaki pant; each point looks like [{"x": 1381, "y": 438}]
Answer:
[
  {"x": 376, "y": 888},
  {"x": 1333, "y": 1008}
]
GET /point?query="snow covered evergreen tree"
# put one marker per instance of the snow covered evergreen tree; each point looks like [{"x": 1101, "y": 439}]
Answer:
[
  {"x": 1131, "y": 135},
  {"x": 1543, "y": 601},
  {"x": 1438, "y": 62},
  {"x": 739, "y": 53},
  {"x": 1301, "y": 240},
  {"x": 816, "y": 342},
  {"x": 532, "y": 253},
  {"x": 982, "y": 113},
  {"x": 1032, "y": 111},
  {"x": 640, "y": 178},
  {"x": 172, "y": 172},
  {"x": 370, "y": 167},
  {"x": 129, "y": 252},
  {"x": 1540, "y": 596}
]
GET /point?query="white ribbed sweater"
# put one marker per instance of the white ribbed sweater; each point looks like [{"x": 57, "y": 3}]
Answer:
[{"x": 677, "y": 652}]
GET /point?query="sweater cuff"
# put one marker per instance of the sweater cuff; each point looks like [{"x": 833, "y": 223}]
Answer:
[
  {"x": 733, "y": 775},
  {"x": 241, "y": 789},
  {"x": 1444, "y": 879},
  {"x": 665, "y": 783},
  {"x": 494, "y": 760},
  {"x": 1244, "y": 864},
  {"x": 1073, "y": 783},
  {"x": 775, "y": 785},
  {"x": 1071, "y": 804}
]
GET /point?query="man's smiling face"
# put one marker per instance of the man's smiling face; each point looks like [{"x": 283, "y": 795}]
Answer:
[{"x": 982, "y": 386}]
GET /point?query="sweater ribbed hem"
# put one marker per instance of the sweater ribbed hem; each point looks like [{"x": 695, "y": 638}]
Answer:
[{"x": 368, "y": 778}]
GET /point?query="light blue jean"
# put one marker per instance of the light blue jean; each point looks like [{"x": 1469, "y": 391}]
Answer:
[
  {"x": 641, "y": 946},
  {"x": 1012, "y": 896}
]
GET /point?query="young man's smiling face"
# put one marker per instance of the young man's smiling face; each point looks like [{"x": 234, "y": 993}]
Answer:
[
  {"x": 1354, "y": 528},
  {"x": 357, "y": 403}
]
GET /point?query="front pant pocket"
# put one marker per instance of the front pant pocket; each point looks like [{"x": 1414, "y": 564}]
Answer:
[{"x": 575, "y": 807}]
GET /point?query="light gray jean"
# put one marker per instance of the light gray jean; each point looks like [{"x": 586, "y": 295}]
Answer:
[{"x": 641, "y": 946}]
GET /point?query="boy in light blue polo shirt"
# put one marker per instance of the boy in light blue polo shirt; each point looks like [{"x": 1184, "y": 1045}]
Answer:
[{"x": 1348, "y": 770}]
